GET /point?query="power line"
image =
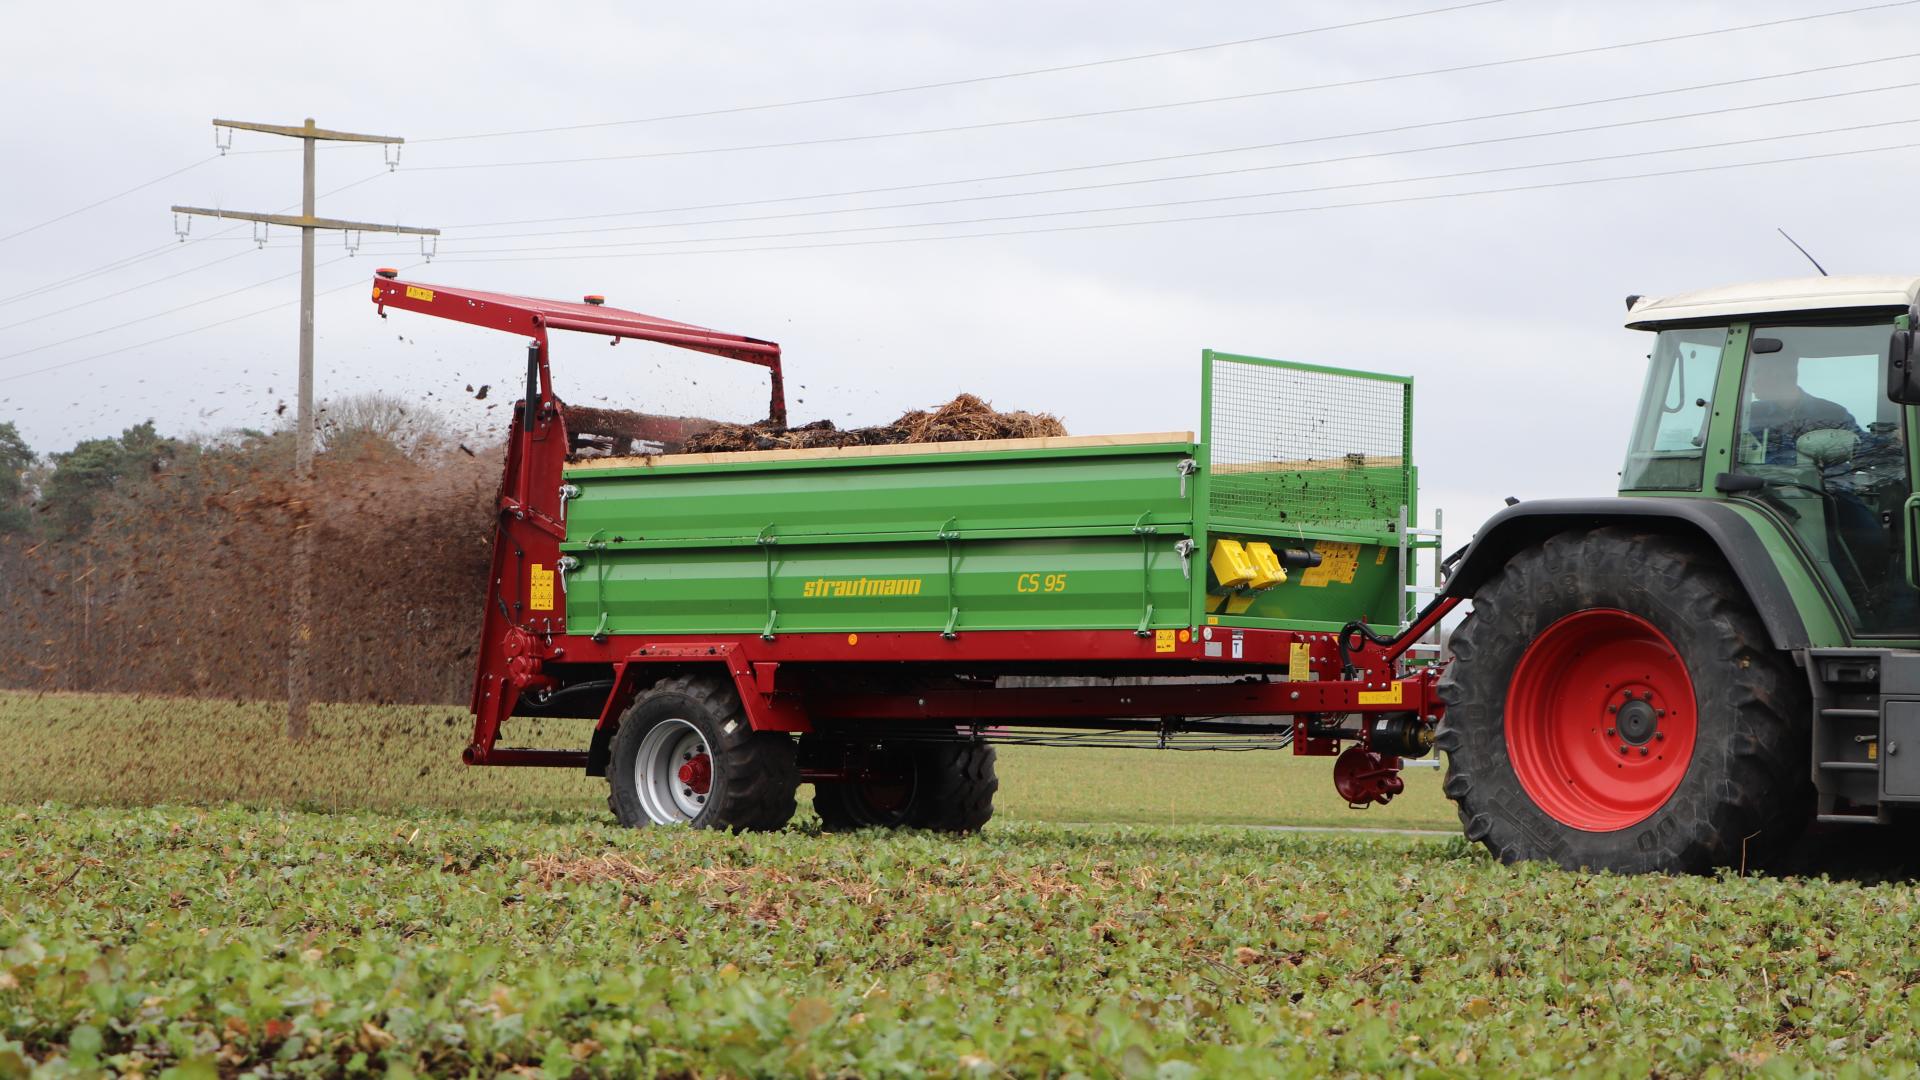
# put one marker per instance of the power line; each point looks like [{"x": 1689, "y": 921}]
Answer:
[
  {"x": 1397, "y": 129},
  {"x": 972, "y": 81},
  {"x": 92, "y": 300},
  {"x": 1399, "y": 200},
  {"x": 354, "y": 284},
  {"x": 221, "y": 295},
  {"x": 1343, "y": 159},
  {"x": 157, "y": 252},
  {"x": 102, "y": 202},
  {"x": 1367, "y": 81},
  {"x": 118, "y": 264},
  {"x": 1224, "y": 198}
]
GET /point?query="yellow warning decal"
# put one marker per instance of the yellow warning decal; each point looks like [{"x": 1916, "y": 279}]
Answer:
[
  {"x": 1163, "y": 641},
  {"x": 1380, "y": 697},
  {"x": 415, "y": 292},
  {"x": 540, "y": 589},
  {"x": 1299, "y": 655},
  {"x": 1337, "y": 562}
]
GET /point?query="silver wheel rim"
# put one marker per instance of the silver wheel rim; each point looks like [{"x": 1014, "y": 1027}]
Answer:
[{"x": 664, "y": 796}]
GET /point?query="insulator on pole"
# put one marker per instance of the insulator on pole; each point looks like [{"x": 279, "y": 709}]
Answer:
[
  {"x": 182, "y": 225},
  {"x": 429, "y": 247},
  {"x": 260, "y": 233},
  {"x": 351, "y": 238},
  {"x": 223, "y": 140},
  {"x": 391, "y": 151}
]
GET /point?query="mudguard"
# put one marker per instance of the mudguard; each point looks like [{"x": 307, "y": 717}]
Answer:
[{"x": 1523, "y": 525}]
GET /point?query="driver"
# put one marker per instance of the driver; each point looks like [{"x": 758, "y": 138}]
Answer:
[{"x": 1781, "y": 411}]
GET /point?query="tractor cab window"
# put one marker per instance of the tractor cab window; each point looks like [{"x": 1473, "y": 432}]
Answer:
[
  {"x": 1668, "y": 451},
  {"x": 1815, "y": 422}
]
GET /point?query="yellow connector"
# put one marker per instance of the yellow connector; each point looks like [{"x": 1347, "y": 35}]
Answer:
[
  {"x": 1231, "y": 567},
  {"x": 1267, "y": 571}
]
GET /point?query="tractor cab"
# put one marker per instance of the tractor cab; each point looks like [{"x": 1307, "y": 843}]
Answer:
[{"x": 1774, "y": 398}]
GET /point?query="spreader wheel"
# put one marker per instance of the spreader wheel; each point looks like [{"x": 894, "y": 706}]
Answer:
[
  {"x": 685, "y": 755},
  {"x": 1615, "y": 703},
  {"x": 941, "y": 786}
]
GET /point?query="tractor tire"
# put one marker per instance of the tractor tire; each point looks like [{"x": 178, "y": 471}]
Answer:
[
  {"x": 1614, "y": 703},
  {"x": 684, "y": 754},
  {"x": 945, "y": 787}
]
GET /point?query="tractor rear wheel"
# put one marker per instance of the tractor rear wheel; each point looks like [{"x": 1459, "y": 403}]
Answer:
[
  {"x": 685, "y": 755},
  {"x": 1614, "y": 703},
  {"x": 940, "y": 786}
]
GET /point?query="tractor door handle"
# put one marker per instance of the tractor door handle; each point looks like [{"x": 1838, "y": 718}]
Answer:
[{"x": 1911, "y": 548}]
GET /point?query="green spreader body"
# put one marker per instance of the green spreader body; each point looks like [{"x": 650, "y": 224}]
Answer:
[{"x": 1089, "y": 533}]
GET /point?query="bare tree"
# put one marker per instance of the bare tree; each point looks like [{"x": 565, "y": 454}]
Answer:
[{"x": 359, "y": 422}]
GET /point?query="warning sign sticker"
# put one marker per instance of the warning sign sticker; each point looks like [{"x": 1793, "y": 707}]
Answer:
[
  {"x": 1337, "y": 563},
  {"x": 540, "y": 589}
]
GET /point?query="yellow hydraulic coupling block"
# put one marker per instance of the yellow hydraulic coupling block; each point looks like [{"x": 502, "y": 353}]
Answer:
[
  {"x": 1231, "y": 567},
  {"x": 1267, "y": 571}
]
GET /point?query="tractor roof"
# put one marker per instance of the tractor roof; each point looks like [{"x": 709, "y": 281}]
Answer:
[{"x": 1857, "y": 292}]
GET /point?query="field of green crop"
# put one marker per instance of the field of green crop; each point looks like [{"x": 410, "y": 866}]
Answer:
[
  {"x": 408, "y": 919},
  {"x": 216, "y": 940}
]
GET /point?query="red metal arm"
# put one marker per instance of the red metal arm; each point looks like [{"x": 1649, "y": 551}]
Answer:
[{"x": 533, "y": 316}]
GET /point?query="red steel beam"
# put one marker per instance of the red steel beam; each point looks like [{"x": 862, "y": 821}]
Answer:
[
  {"x": 1038, "y": 704},
  {"x": 533, "y": 316}
]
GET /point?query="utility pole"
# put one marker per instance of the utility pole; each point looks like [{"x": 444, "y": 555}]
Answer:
[{"x": 300, "y": 587}]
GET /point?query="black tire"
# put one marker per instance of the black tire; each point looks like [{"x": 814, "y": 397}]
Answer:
[
  {"x": 1746, "y": 788},
  {"x": 753, "y": 776},
  {"x": 946, "y": 787}
]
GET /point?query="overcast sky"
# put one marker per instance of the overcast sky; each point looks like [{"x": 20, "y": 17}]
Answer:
[{"x": 1506, "y": 308}]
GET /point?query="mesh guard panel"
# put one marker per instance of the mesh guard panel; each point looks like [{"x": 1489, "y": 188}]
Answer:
[{"x": 1307, "y": 449}]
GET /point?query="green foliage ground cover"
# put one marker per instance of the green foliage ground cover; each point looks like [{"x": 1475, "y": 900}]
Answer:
[
  {"x": 217, "y": 941},
  {"x": 126, "y": 750}
]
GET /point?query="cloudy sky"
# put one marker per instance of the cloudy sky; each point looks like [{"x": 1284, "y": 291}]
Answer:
[{"x": 1036, "y": 261}]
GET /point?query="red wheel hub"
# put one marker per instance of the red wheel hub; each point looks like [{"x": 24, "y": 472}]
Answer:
[
  {"x": 1600, "y": 720},
  {"x": 697, "y": 773}
]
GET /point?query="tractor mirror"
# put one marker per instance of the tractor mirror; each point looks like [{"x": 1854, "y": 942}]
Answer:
[
  {"x": 1762, "y": 345},
  {"x": 1902, "y": 386}
]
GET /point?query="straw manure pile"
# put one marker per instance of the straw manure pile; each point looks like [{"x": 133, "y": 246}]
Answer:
[{"x": 964, "y": 419}]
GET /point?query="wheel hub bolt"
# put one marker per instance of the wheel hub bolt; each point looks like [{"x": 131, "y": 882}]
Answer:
[{"x": 1623, "y": 751}]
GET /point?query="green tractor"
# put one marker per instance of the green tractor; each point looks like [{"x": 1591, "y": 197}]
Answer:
[{"x": 1690, "y": 674}]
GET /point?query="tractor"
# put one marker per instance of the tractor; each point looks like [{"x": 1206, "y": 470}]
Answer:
[{"x": 1688, "y": 675}]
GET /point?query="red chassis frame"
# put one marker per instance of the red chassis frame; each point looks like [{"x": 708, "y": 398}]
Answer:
[{"x": 523, "y": 657}]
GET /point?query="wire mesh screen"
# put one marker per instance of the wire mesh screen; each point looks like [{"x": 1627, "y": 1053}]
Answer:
[{"x": 1303, "y": 447}]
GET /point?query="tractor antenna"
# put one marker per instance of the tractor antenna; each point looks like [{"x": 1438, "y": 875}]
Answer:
[{"x": 1803, "y": 251}]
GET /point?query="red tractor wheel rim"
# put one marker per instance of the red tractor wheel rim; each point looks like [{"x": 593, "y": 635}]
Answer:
[{"x": 1600, "y": 720}]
